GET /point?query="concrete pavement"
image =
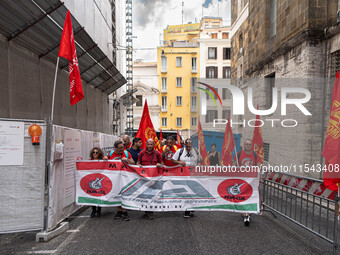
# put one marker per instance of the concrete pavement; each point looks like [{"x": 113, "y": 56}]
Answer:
[{"x": 170, "y": 233}]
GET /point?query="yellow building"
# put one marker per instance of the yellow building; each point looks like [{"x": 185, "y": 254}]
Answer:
[{"x": 178, "y": 72}]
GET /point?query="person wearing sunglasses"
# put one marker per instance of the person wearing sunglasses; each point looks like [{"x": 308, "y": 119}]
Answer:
[{"x": 96, "y": 154}]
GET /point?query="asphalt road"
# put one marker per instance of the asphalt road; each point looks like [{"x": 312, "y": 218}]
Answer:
[{"x": 170, "y": 233}]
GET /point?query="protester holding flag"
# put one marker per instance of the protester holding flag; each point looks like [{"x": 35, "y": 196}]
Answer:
[
  {"x": 135, "y": 149},
  {"x": 120, "y": 154},
  {"x": 168, "y": 151},
  {"x": 146, "y": 129}
]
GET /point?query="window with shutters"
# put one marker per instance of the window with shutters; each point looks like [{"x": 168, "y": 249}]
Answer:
[
  {"x": 164, "y": 66},
  {"x": 226, "y": 72},
  {"x": 164, "y": 85},
  {"x": 194, "y": 122},
  {"x": 194, "y": 104},
  {"x": 226, "y": 53},
  {"x": 210, "y": 116},
  {"x": 214, "y": 36},
  {"x": 164, "y": 122},
  {"x": 178, "y": 61},
  {"x": 212, "y": 53},
  {"x": 179, "y": 122},
  {"x": 179, "y": 101},
  {"x": 164, "y": 104},
  {"x": 211, "y": 72},
  {"x": 194, "y": 65},
  {"x": 179, "y": 82},
  {"x": 193, "y": 84},
  {"x": 225, "y": 94}
]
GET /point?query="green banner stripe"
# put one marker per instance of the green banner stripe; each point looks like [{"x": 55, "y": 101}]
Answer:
[
  {"x": 127, "y": 185},
  {"x": 203, "y": 197},
  {"x": 89, "y": 200},
  {"x": 248, "y": 207}
]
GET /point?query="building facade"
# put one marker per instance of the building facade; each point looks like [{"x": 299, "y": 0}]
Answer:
[
  {"x": 215, "y": 63},
  {"x": 281, "y": 44},
  {"x": 30, "y": 49},
  {"x": 178, "y": 71},
  {"x": 146, "y": 85}
]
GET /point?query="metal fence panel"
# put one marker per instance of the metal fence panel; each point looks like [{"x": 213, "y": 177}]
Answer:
[{"x": 22, "y": 186}]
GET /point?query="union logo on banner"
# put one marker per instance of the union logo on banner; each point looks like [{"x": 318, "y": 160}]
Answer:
[
  {"x": 96, "y": 185},
  {"x": 235, "y": 190},
  {"x": 334, "y": 121}
]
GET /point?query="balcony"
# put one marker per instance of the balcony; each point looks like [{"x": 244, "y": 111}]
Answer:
[{"x": 164, "y": 69}]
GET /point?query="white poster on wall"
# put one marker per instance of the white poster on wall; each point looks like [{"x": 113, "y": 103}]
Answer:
[
  {"x": 72, "y": 152},
  {"x": 11, "y": 143}
]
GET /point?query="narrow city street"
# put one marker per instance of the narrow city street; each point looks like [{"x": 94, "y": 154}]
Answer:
[{"x": 170, "y": 233}]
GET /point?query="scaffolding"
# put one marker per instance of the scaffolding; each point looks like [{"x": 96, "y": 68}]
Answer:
[{"x": 129, "y": 68}]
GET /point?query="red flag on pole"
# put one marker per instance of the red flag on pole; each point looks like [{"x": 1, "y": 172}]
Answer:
[
  {"x": 257, "y": 140},
  {"x": 68, "y": 50},
  {"x": 201, "y": 145},
  {"x": 331, "y": 149},
  {"x": 146, "y": 129},
  {"x": 228, "y": 145},
  {"x": 179, "y": 140},
  {"x": 161, "y": 136}
]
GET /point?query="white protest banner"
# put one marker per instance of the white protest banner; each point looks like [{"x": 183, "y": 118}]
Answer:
[{"x": 113, "y": 183}]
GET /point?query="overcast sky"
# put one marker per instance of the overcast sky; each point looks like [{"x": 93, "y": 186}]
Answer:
[{"x": 150, "y": 17}]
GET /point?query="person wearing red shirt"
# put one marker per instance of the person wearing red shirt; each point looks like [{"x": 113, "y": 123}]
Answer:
[
  {"x": 150, "y": 157},
  {"x": 246, "y": 157},
  {"x": 127, "y": 142},
  {"x": 168, "y": 151},
  {"x": 120, "y": 154}
]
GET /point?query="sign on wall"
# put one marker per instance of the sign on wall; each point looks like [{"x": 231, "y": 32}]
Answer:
[{"x": 11, "y": 143}]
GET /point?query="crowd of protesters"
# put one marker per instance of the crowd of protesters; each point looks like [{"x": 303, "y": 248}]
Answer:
[{"x": 170, "y": 154}]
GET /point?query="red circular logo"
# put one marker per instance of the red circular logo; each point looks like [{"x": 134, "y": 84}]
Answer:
[
  {"x": 96, "y": 184},
  {"x": 235, "y": 190}
]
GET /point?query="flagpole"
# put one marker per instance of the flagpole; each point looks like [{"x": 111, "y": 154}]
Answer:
[
  {"x": 235, "y": 145},
  {"x": 54, "y": 86}
]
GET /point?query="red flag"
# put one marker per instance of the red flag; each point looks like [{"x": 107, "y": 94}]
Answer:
[
  {"x": 257, "y": 140},
  {"x": 178, "y": 140},
  {"x": 201, "y": 144},
  {"x": 68, "y": 50},
  {"x": 331, "y": 149},
  {"x": 146, "y": 129},
  {"x": 228, "y": 145},
  {"x": 161, "y": 136}
]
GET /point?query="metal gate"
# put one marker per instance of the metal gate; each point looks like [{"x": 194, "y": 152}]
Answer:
[{"x": 302, "y": 200}]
